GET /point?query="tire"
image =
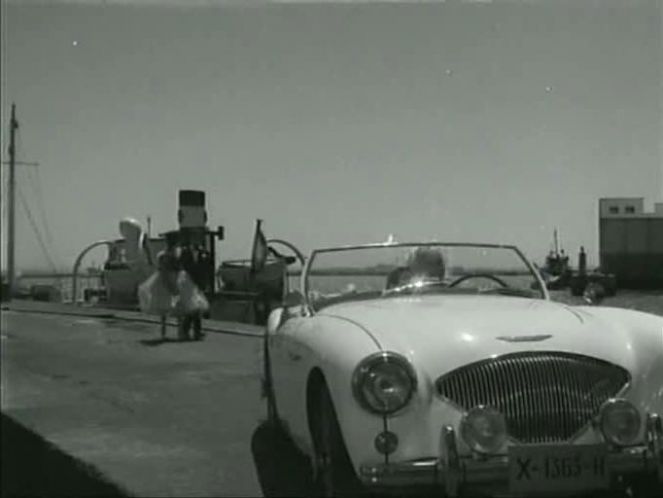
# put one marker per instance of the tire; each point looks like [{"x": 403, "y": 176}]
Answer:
[
  {"x": 646, "y": 487},
  {"x": 334, "y": 473}
]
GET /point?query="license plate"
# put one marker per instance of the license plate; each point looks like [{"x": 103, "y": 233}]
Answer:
[{"x": 553, "y": 468}]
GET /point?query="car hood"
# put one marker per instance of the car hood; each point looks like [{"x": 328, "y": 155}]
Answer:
[{"x": 441, "y": 333}]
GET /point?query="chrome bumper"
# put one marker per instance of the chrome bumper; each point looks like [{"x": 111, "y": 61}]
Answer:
[{"x": 454, "y": 472}]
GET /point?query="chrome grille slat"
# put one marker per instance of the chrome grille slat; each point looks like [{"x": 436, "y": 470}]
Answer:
[
  {"x": 490, "y": 386},
  {"x": 544, "y": 396},
  {"x": 560, "y": 413},
  {"x": 534, "y": 420},
  {"x": 549, "y": 402}
]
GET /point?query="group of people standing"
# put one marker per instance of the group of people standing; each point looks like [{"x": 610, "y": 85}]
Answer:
[{"x": 177, "y": 288}]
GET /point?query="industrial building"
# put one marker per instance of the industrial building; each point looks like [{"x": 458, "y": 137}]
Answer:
[{"x": 631, "y": 242}]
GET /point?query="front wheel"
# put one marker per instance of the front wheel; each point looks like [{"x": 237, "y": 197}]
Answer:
[
  {"x": 645, "y": 487},
  {"x": 334, "y": 473},
  {"x": 268, "y": 386}
]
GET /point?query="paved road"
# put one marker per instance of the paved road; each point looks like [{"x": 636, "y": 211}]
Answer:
[{"x": 156, "y": 418}]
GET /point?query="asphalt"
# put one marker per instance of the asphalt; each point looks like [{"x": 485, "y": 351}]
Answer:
[
  {"x": 140, "y": 416},
  {"x": 51, "y": 308},
  {"x": 94, "y": 403}
]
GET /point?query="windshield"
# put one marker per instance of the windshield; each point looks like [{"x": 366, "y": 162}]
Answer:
[{"x": 387, "y": 271}]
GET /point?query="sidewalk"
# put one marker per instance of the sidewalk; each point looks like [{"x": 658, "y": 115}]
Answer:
[{"x": 219, "y": 326}]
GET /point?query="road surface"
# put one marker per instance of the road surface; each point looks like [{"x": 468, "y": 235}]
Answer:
[{"x": 152, "y": 418}]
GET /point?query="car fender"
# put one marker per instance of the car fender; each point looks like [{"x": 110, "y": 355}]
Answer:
[
  {"x": 334, "y": 346},
  {"x": 274, "y": 320},
  {"x": 645, "y": 333}
]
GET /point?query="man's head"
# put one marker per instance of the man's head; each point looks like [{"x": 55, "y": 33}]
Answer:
[{"x": 426, "y": 261}]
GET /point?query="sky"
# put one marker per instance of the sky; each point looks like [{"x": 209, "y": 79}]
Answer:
[{"x": 334, "y": 123}]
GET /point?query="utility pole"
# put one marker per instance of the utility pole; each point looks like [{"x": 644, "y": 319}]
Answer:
[
  {"x": 11, "y": 210},
  {"x": 11, "y": 204}
]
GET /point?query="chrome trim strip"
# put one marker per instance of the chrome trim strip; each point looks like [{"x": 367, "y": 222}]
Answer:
[
  {"x": 414, "y": 243},
  {"x": 481, "y": 472},
  {"x": 451, "y": 471}
]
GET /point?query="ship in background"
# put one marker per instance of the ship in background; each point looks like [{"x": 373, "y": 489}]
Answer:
[
  {"x": 243, "y": 290},
  {"x": 556, "y": 272},
  {"x": 238, "y": 290},
  {"x": 630, "y": 251}
]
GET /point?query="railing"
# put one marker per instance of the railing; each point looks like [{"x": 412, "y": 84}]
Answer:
[
  {"x": 55, "y": 286},
  {"x": 79, "y": 259}
]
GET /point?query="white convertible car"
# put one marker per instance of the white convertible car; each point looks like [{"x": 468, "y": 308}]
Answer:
[{"x": 399, "y": 367}]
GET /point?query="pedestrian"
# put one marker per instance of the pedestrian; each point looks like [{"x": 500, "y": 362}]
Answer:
[
  {"x": 192, "y": 284},
  {"x": 582, "y": 261},
  {"x": 158, "y": 294}
]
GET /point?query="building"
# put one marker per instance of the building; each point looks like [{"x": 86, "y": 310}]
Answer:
[{"x": 631, "y": 242}]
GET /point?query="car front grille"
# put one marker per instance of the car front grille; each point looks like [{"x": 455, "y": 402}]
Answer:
[{"x": 544, "y": 397}]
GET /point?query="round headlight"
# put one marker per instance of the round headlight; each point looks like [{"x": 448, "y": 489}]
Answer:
[
  {"x": 620, "y": 422},
  {"x": 384, "y": 383},
  {"x": 483, "y": 429}
]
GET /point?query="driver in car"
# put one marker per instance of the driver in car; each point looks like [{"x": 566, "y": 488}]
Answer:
[{"x": 424, "y": 264}]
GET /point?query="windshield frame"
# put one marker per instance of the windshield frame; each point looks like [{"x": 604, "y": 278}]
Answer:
[{"x": 304, "y": 282}]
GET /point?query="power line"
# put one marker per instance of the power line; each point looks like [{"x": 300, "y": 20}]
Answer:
[
  {"x": 35, "y": 184},
  {"x": 36, "y": 229}
]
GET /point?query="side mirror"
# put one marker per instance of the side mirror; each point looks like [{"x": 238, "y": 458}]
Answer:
[
  {"x": 293, "y": 298},
  {"x": 594, "y": 293},
  {"x": 293, "y": 306}
]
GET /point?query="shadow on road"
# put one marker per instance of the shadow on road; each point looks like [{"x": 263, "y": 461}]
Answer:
[
  {"x": 33, "y": 467},
  {"x": 159, "y": 341},
  {"x": 282, "y": 469}
]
